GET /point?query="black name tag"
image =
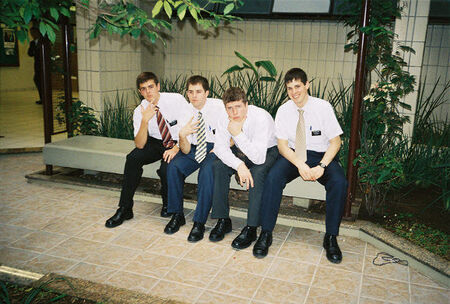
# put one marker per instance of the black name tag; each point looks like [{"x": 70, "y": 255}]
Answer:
[
  {"x": 172, "y": 123},
  {"x": 316, "y": 133}
]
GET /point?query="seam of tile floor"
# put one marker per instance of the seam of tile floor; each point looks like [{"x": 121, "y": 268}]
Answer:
[{"x": 70, "y": 222}]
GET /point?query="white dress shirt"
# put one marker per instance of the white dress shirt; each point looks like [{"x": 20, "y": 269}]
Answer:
[
  {"x": 321, "y": 123},
  {"x": 258, "y": 134},
  {"x": 173, "y": 108},
  {"x": 212, "y": 112}
]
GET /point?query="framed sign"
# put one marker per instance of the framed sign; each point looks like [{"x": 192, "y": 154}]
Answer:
[{"x": 9, "y": 49}]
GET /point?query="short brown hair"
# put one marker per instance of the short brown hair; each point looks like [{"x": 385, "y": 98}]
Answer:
[
  {"x": 144, "y": 77},
  {"x": 234, "y": 94},
  {"x": 295, "y": 73},
  {"x": 197, "y": 79}
]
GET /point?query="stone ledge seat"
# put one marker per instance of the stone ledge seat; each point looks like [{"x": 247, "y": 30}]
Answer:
[{"x": 106, "y": 154}]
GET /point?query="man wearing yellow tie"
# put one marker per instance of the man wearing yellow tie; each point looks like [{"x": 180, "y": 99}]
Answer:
[{"x": 308, "y": 136}]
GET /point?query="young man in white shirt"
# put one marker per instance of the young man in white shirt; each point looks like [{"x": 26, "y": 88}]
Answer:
[
  {"x": 196, "y": 140},
  {"x": 251, "y": 132},
  {"x": 321, "y": 143},
  {"x": 156, "y": 129}
]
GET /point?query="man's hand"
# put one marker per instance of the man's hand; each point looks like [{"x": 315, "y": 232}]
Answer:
[
  {"x": 189, "y": 128},
  {"x": 235, "y": 127},
  {"x": 305, "y": 171},
  {"x": 317, "y": 172},
  {"x": 245, "y": 176},
  {"x": 168, "y": 155},
  {"x": 148, "y": 112}
]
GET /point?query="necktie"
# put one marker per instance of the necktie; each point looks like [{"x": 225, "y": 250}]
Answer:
[
  {"x": 300, "y": 138},
  {"x": 164, "y": 130},
  {"x": 200, "y": 153}
]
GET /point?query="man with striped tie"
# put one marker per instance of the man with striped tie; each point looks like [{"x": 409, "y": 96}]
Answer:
[
  {"x": 156, "y": 126},
  {"x": 196, "y": 139}
]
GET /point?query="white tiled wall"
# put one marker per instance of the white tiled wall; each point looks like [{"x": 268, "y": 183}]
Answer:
[
  {"x": 436, "y": 59},
  {"x": 105, "y": 65},
  {"x": 315, "y": 46}
]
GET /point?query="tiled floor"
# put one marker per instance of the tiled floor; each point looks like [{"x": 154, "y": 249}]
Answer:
[
  {"x": 51, "y": 229},
  {"x": 21, "y": 120}
]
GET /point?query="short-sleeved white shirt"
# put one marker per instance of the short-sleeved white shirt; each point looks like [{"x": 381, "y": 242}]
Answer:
[
  {"x": 212, "y": 112},
  {"x": 173, "y": 108},
  {"x": 321, "y": 123},
  {"x": 258, "y": 134}
]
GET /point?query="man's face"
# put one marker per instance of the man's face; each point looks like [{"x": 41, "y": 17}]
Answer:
[
  {"x": 237, "y": 110},
  {"x": 298, "y": 91},
  {"x": 197, "y": 95},
  {"x": 150, "y": 91}
]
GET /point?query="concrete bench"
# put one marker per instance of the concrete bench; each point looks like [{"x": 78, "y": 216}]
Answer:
[{"x": 108, "y": 155}]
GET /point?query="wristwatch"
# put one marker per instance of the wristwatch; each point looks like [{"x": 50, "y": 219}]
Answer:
[{"x": 322, "y": 165}]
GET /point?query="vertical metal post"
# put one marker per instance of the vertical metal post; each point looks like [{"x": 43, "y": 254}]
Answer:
[
  {"x": 67, "y": 71},
  {"x": 356, "y": 112},
  {"x": 44, "y": 52}
]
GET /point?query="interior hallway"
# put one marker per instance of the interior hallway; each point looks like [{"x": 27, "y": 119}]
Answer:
[{"x": 21, "y": 120}]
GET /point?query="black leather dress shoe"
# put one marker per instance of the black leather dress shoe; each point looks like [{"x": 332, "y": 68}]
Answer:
[
  {"x": 164, "y": 212},
  {"x": 117, "y": 219},
  {"x": 334, "y": 254},
  {"x": 261, "y": 248},
  {"x": 222, "y": 227},
  {"x": 175, "y": 223},
  {"x": 245, "y": 238},
  {"x": 197, "y": 232}
]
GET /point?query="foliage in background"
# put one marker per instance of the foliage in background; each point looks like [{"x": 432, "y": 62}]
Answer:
[
  {"x": 17, "y": 15},
  {"x": 41, "y": 293},
  {"x": 407, "y": 226},
  {"x": 116, "y": 120},
  {"x": 380, "y": 165},
  {"x": 427, "y": 126},
  {"x": 113, "y": 16},
  {"x": 81, "y": 117},
  {"x": 265, "y": 91}
]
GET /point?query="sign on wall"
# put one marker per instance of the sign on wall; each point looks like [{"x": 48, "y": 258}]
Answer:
[{"x": 9, "y": 49}]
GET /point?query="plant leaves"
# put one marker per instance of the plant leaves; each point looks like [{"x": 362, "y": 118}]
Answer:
[
  {"x": 168, "y": 9},
  {"x": 228, "y": 8},
  {"x": 181, "y": 12},
  {"x": 157, "y": 8}
]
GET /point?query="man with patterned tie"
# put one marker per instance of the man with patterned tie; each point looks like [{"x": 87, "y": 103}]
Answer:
[
  {"x": 251, "y": 130},
  {"x": 196, "y": 139},
  {"x": 156, "y": 129},
  {"x": 308, "y": 136}
]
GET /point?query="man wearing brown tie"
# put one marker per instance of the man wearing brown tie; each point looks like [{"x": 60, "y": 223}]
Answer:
[
  {"x": 308, "y": 135},
  {"x": 156, "y": 130}
]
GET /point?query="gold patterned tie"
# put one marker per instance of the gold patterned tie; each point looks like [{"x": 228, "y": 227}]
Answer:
[
  {"x": 300, "y": 137},
  {"x": 200, "y": 153}
]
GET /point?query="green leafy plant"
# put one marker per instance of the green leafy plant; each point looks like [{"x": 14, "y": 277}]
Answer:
[
  {"x": 116, "y": 120},
  {"x": 39, "y": 293},
  {"x": 81, "y": 118},
  {"x": 426, "y": 125},
  {"x": 380, "y": 167},
  {"x": 263, "y": 90}
]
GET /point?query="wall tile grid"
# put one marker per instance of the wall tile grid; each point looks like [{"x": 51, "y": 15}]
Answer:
[
  {"x": 436, "y": 59},
  {"x": 106, "y": 65},
  {"x": 316, "y": 46},
  {"x": 411, "y": 29}
]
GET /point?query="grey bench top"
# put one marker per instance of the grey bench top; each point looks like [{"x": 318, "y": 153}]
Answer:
[{"x": 108, "y": 155}]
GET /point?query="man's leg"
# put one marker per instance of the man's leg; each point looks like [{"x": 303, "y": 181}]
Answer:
[
  {"x": 177, "y": 170},
  {"x": 281, "y": 173},
  {"x": 336, "y": 189},
  {"x": 205, "y": 187},
  {"x": 220, "y": 205},
  {"x": 259, "y": 172},
  {"x": 136, "y": 159}
]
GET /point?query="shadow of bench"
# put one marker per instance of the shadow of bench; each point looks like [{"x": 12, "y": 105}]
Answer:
[{"x": 104, "y": 154}]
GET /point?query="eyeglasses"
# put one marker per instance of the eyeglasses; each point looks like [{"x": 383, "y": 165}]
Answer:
[{"x": 149, "y": 87}]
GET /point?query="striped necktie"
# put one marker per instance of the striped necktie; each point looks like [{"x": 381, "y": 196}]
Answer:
[
  {"x": 300, "y": 137},
  {"x": 164, "y": 130},
  {"x": 200, "y": 153}
]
